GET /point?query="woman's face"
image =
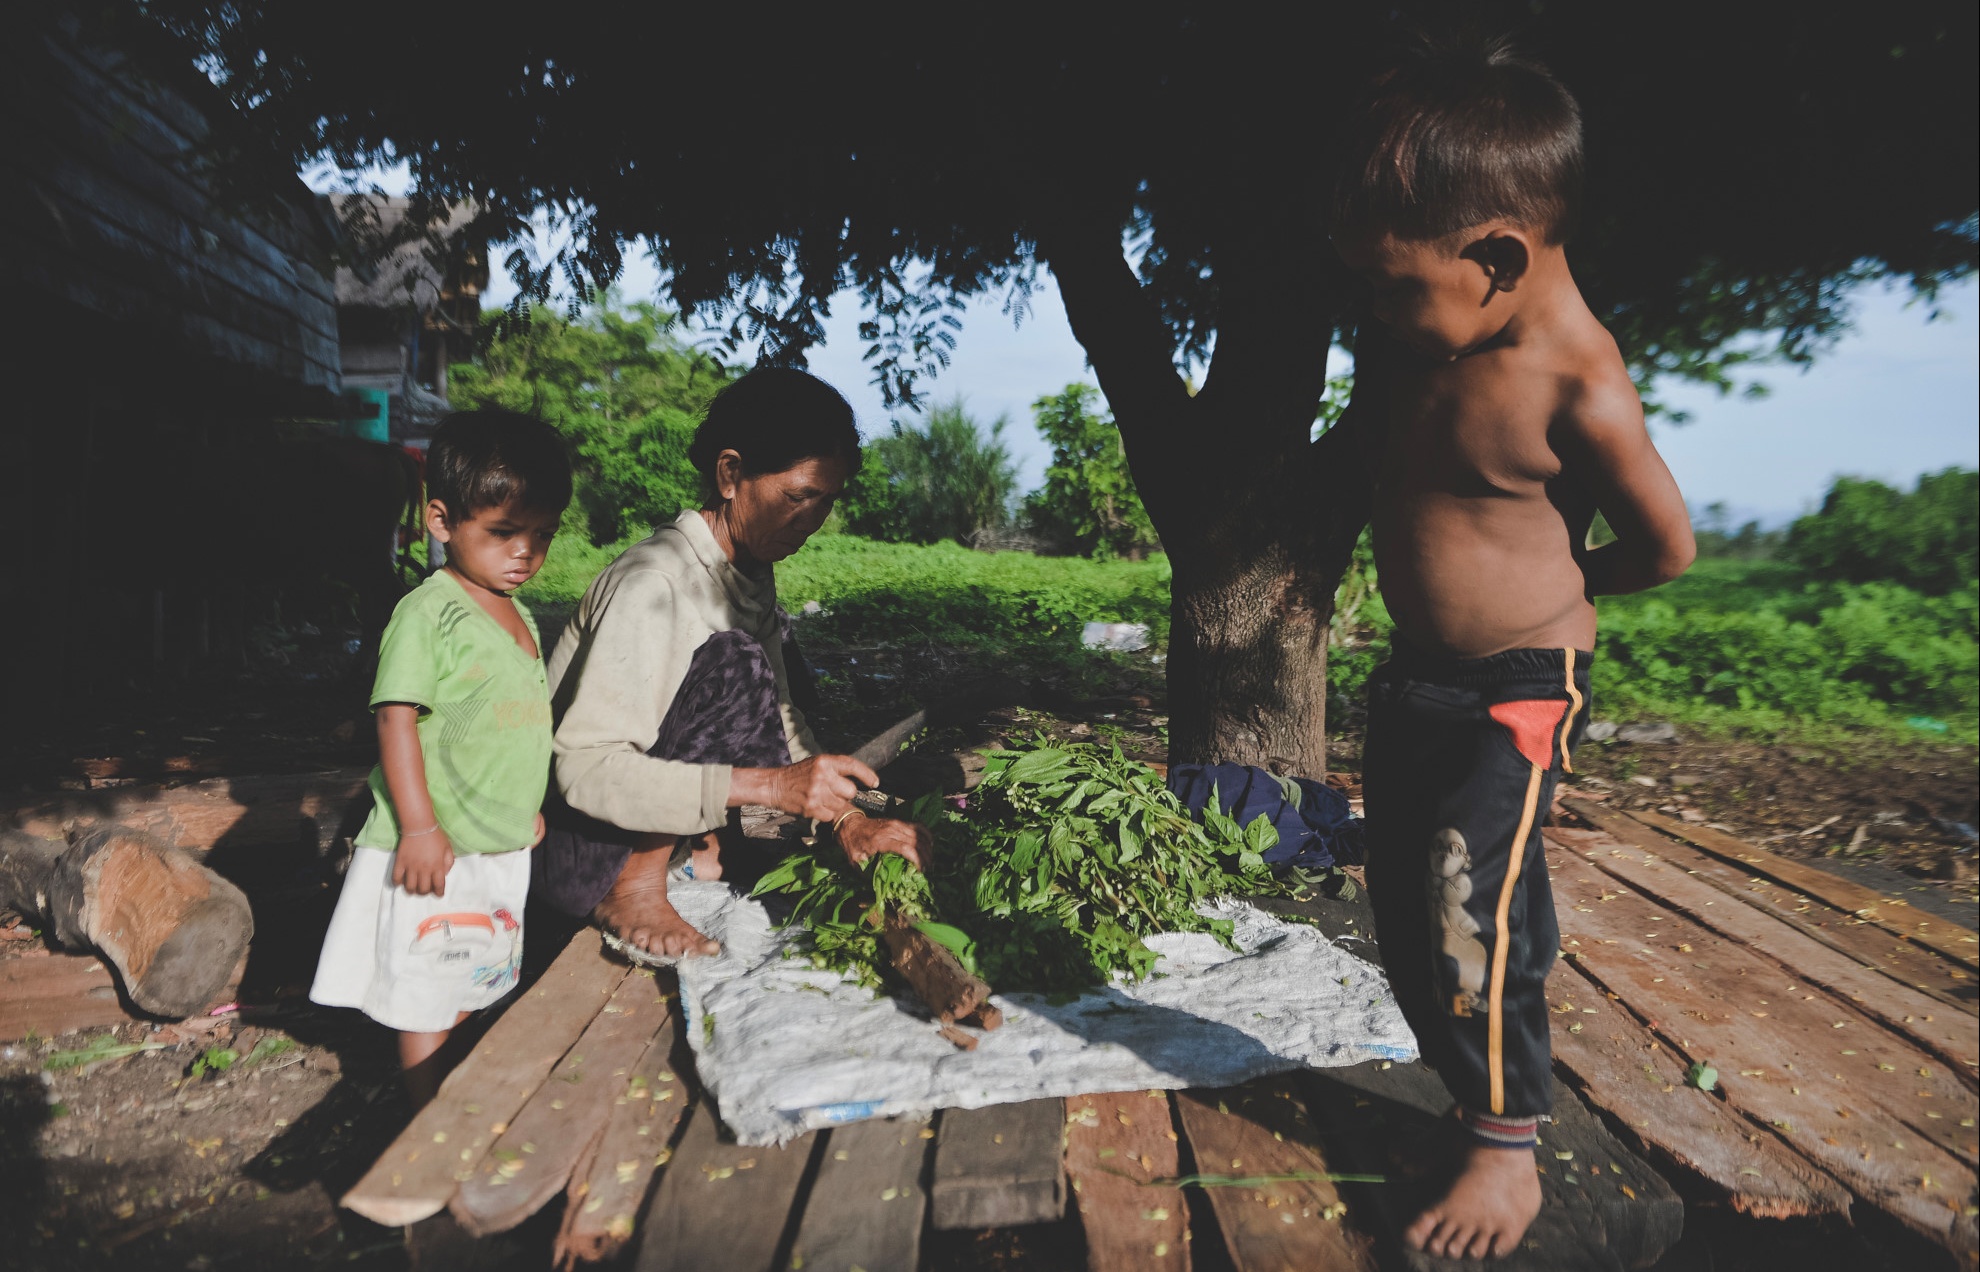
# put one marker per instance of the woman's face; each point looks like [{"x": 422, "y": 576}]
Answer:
[{"x": 768, "y": 516}]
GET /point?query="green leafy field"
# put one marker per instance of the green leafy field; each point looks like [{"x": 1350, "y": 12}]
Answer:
[{"x": 1751, "y": 646}]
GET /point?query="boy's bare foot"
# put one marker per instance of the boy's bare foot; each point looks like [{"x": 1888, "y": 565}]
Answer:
[
  {"x": 1486, "y": 1209},
  {"x": 637, "y": 908}
]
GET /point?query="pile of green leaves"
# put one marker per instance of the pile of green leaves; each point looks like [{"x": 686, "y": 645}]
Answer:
[{"x": 1049, "y": 879}]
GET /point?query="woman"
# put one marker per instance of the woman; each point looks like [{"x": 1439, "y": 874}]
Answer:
[{"x": 669, "y": 685}]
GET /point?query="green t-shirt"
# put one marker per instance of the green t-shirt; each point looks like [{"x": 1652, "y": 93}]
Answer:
[{"x": 484, "y": 719}]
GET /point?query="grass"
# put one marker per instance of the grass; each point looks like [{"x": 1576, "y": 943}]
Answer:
[{"x": 1734, "y": 647}]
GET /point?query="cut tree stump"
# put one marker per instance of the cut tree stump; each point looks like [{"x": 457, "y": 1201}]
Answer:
[
  {"x": 420, "y": 1172},
  {"x": 533, "y": 1160},
  {"x": 1120, "y": 1148},
  {"x": 1635, "y": 1079},
  {"x": 1865, "y": 1105},
  {"x": 721, "y": 1205},
  {"x": 53, "y": 994},
  {"x": 1262, "y": 1129},
  {"x": 869, "y": 1199},
  {"x": 300, "y": 808},
  {"x": 1000, "y": 1167},
  {"x": 609, "y": 1186},
  {"x": 1390, "y": 1119},
  {"x": 1664, "y": 876},
  {"x": 1907, "y": 963},
  {"x": 1941, "y": 935}
]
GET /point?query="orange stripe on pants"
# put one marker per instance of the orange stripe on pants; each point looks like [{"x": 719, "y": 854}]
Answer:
[
  {"x": 1501, "y": 947},
  {"x": 1574, "y": 709}
]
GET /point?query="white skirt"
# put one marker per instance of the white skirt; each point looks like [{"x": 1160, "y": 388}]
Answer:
[{"x": 414, "y": 963}]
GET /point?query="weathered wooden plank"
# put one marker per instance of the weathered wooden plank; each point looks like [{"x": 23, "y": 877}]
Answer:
[
  {"x": 53, "y": 994},
  {"x": 1119, "y": 1145},
  {"x": 606, "y": 1195},
  {"x": 1624, "y": 1071},
  {"x": 534, "y": 1158},
  {"x": 288, "y": 808},
  {"x": 1907, "y": 963},
  {"x": 418, "y": 1174},
  {"x": 1391, "y": 1121},
  {"x": 1864, "y": 1104},
  {"x": 1942, "y": 935},
  {"x": 1262, "y": 1128},
  {"x": 1001, "y": 1166},
  {"x": 1947, "y": 1034},
  {"x": 869, "y": 1198},
  {"x": 721, "y": 1205}
]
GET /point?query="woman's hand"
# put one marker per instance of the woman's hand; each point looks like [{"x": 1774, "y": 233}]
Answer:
[
  {"x": 820, "y": 788},
  {"x": 862, "y": 837},
  {"x": 421, "y": 864}
]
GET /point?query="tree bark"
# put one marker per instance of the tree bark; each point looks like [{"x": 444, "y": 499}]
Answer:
[{"x": 1259, "y": 521}]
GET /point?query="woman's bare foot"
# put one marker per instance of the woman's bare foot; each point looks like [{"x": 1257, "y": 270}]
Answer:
[
  {"x": 1486, "y": 1209},
  {"x": 707, "y": 858},
  {"x": 637, "y": 908}
]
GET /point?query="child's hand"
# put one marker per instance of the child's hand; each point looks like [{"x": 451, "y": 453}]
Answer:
[
  {"x": 422, "y": 862},
  {"x": 540, "y": 829}
]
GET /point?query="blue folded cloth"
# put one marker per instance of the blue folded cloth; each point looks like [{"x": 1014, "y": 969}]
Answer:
[{"x": 1316, "y": 830}]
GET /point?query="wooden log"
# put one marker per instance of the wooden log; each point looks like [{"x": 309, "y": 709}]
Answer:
[
  {"x": 869, "y": 1198},
  {"x": 533, "y": 1160},
  {"x": 935, "y": 975},
  {"x": 1943, "y": 936},
  {"x": 1623, "y": 1070},
  {"x": 1261, "y": 1129},
  {"x": 1121, "y": 1147},
  {"x": 49, "y": 995},
  {"x": 606, "y": 1194},
  {"x": 1949, "y": 1035},
  {"x": 417, "y": 1176},
  {"x": 1865, "y": 1105},
  {"x": 296, "y": 808},
  {"x": 1907, "y": 963},
  {"x": 721, "y": 1205},
  {"x": 1389, "y": 1119},
  {"x": 1000, "y": 1167}
]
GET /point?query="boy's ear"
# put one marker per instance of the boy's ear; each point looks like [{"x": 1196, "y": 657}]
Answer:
[
  {"x": 1505, "y": 254},
  {"x": 436, "y": 520}
]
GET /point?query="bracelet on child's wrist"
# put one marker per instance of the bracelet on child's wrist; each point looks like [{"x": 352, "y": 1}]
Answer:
[{"x": 414, "y": 834}]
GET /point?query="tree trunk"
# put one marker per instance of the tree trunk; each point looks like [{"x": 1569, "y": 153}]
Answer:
[{"x": 1259, "y": 521}]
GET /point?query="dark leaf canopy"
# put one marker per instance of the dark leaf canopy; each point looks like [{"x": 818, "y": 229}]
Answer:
[{"x": 1747, "y": 161}]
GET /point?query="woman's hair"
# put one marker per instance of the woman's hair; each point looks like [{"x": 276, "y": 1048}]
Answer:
[
  {"x": 485, "y": 459},
  {"x": 1457, "y": 136},
  {"x": 774, "y": 418}
]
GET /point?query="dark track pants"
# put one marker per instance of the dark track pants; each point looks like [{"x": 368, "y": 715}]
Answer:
[
  {"x": 1459, "y": 771},
  {"x": 725, "y": 713}
]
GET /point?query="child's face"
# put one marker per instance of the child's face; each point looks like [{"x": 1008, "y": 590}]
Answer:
[
  {"x": 1443, "y": 297},
  {"x": 495, "y": 548}
]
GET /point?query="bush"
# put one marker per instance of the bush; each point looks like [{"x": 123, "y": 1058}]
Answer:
[
  {"x": 1088, "y": 504},
  {"x": 950, "y": 478},
  {"x": 1928, "y": 539}
]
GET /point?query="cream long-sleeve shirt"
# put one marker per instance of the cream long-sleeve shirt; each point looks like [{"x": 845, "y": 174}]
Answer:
[{"x": 622, "y": 660}]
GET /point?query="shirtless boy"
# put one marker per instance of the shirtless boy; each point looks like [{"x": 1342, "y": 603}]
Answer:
[{"x": 1508, "y": 419}]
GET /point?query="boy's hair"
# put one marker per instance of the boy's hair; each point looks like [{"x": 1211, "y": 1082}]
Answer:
[
  {"x": 775, "y": 417},
  {"x": 486, "y": 459},
  {"x": 1456, "y": 137}
]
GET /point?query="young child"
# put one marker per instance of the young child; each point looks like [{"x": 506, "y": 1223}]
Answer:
[
  {"x": 1507, "y": 419},
  {"x": 429, "y": 925}
]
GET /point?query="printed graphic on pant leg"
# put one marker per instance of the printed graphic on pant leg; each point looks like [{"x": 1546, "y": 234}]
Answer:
[
  {"x": 1450, "y": 889},
  {"x": 481, "y": 949}
]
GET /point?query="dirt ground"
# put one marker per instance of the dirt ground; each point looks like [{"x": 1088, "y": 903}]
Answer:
[{"x": 152, "y": 1161}]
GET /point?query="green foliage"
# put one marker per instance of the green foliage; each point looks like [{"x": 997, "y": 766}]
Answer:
[
  {"x": 622, "y": 388},
  {"x": 949, "y": 478},
  {"x": 99, "y": 1049},
  {"x": 1088, "y": 502},
  {"x": 1048, "y": 880},
  {"x": 1716, "y": 537},
  {"x": 1928, "y": 539}
]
